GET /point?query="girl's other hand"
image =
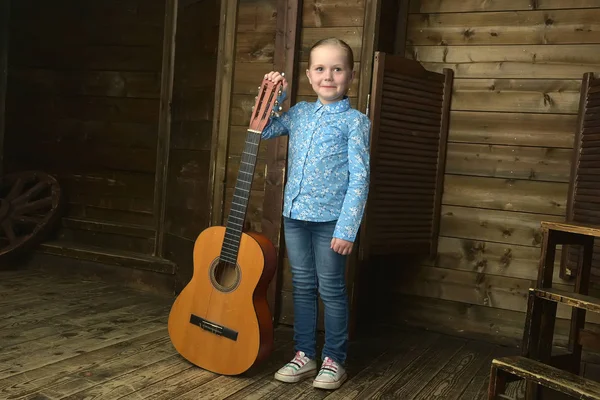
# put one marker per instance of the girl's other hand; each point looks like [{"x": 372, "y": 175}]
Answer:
[
  {"x": 276, "y": 77},
  {"x": 341, "y": 246}
]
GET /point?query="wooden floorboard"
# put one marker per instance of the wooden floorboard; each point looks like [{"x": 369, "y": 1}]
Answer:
[
  {"x": 67, "y": 338},
  {"x": 477, "y": 388}
]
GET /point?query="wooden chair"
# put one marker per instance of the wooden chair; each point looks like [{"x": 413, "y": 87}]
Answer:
[{"x": 537, "y": 364}]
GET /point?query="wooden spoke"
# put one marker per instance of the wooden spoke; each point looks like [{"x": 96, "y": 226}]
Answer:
[
  {"x": 34, "y": 191},
  {"x": 27, "y": 220},
  {"x": 16, "y": 189},
  {"x": 34, "y": 206},
  {"x": 7, "y": 228}
]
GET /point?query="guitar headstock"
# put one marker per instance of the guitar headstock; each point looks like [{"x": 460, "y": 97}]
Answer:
[{"x": 264, "y": 105}]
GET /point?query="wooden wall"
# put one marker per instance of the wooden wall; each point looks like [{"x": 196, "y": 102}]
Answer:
[
  {"x": 187, "y": 180},
  {"x": 116, "y": 99},
  {"x": 254, "y": 57},
  {"x": 4, "y": 15},
  {"x": 518, "y": 66},
  {"x": 82, "y": 103}
]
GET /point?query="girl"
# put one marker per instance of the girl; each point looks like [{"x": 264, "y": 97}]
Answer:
[{"x": 325, "y": 195}]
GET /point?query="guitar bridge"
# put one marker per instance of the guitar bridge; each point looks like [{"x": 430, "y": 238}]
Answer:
[{"x": 213, "y": 328}]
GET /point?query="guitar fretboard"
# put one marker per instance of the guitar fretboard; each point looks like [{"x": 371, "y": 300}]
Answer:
[{"x": 241, "y": 195}]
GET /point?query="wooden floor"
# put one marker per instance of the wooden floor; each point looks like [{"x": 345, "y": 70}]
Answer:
[{"x": 67, "y": 338}]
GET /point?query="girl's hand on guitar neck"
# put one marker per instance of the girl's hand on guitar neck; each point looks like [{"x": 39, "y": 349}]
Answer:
[{"x": 276, "y": 77}]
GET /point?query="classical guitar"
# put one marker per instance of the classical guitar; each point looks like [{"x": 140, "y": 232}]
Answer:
[{"x": 221, "y": 320}]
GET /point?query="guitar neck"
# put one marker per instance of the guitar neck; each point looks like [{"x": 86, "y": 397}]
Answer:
[{"x": 241, "y": 196}]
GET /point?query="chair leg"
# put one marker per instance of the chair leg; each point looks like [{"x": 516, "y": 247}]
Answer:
[
  {"x": 497, "y": 383},
  {"x": 578, "y": 315},
  {"x": 533, "y": 321},
  {"x": 533, "y": 391}
]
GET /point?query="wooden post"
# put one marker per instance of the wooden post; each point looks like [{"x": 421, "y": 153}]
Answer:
[
  {"x": 4, "y": 21},
  {"x": 164, "y": 125},
  {"x": 357, "y": 259},
  {"x": 369, "y": 44},
  {"x": 401, "y": 28},
  {"x": 221, "y": 116},
  {"x": 287, "y": 40}
]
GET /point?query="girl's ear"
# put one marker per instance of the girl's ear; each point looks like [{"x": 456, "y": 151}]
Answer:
[{"x": 308, "y": 76}]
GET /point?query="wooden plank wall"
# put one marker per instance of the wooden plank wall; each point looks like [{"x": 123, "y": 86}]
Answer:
[
  {"x": 4, "y": 18},
  {"x": 82, "y": 103},
  {"x": 255, "y": 43},
  {"x": 254, "y": 57},
  {"x": 187, "y": 208},
  {"x": 519, "y": 66}
]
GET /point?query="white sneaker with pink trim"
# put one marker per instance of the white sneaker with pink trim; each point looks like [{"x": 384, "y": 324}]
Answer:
[
  {"x": 301, "y": 367},
  {"x": 331, "y": 375}
]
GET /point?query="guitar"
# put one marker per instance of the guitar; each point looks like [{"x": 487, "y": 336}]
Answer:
[{"x": 221, "y": 319}]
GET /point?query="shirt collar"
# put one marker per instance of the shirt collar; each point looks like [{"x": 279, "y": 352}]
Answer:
[{"x": 337, "y": 107}]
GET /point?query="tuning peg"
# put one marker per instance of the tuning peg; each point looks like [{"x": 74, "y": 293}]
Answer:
[
  {"x": 252, "y": 108},
  {"x": 280, "y": 108},
  {"x": 279, "y": 92},
  {"x": 283, "y": 74},
  {"x": 276, "y": 102}
]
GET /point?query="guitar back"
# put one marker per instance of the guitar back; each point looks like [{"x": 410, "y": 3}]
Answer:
[{"x": 221, "y": 320}]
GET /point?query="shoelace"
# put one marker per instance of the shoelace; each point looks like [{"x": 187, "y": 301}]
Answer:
[
  {"x": 299, "y": 360},
  {"x": 329, "y": 365}
]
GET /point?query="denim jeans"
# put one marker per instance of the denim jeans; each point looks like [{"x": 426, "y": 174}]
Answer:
[{"x": 315, "y": 266}]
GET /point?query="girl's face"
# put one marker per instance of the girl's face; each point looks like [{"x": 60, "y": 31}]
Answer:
[{"x": 329, "y": 73}]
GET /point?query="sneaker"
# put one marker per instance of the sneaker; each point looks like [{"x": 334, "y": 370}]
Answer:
[
  {"x": 301, "y": 367},
  {"x": 331, "y": 375}
]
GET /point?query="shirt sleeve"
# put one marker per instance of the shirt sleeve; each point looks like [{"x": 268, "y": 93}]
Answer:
[
  {"x": 358, "y": 185},
  {"x": 278, "y": 126}
]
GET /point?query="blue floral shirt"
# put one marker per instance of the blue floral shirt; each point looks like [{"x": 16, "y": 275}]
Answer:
[{"x": 328, "y": 163}]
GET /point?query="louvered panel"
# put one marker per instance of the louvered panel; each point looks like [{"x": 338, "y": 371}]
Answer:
[
  {"x": 410, "y": 108},
  {"x": 406, "y": 135},
  {"x": 402, "y": 218},
  {"x": 406, "y": 144},
  {"x": 421, "y": 87},
  {"x": 584, "y": 191},
  {"x": 405, "y": 181},
  {"x": 415, "y": 109}
]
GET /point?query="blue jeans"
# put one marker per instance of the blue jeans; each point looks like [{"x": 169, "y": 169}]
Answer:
[{"x": 315, "y": 266}]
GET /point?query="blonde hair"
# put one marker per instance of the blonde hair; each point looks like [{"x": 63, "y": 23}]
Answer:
[{"x": 334, "y": 42}]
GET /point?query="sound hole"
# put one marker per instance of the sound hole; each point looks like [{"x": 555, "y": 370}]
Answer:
[{"x": 225, "y": 276}]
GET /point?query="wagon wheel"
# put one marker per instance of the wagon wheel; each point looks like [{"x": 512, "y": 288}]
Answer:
[{"x": 30, "y": 204}]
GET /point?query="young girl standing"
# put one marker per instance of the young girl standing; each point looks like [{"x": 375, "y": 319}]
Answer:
[{"x": 325, "y": 195}]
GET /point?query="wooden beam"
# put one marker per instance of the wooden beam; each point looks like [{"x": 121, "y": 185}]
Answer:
[
  {"x": 4, "y": 28},
  {"x": 221, "y": 116},
  {"x": 356, "y": 260},
  {"x": 369, "y": 44},
  {"x": 164, "y": 124},
  {"x": 287, "y": 40},
  {"x": 401, "y": 28}
]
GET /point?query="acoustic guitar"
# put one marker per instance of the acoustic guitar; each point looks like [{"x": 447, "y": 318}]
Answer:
[{"x": 221, "y": 320}]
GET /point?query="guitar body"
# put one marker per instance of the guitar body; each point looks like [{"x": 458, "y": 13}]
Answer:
[{"x": 243, "y": 311}]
